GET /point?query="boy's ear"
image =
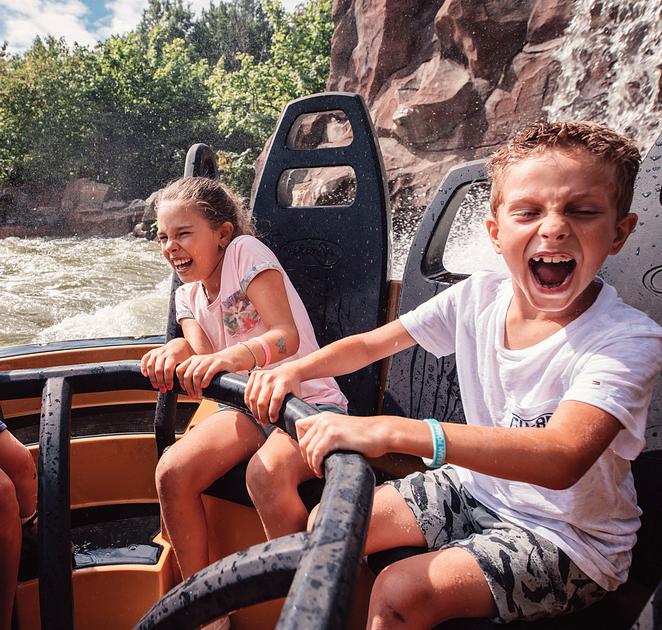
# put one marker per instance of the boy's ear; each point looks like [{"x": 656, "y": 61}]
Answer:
[
  {"x": 624, "y": 228},
  {"x": 492, "y": 226}
]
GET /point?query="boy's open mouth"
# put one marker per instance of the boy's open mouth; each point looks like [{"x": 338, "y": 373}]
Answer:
[
  {"x": 182, "y": 264},
  {"x": 551, "y": 271}
]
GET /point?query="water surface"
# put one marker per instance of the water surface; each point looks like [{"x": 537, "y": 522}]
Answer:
[{"x": 71, "y": 288}]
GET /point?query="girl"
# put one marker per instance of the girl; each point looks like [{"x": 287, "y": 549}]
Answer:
[{"x": 238, "y": 311}]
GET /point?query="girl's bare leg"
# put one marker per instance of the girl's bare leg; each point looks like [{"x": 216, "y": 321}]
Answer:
[
  {"x": 204, "y": 454},
  {"x": 272, "y": 478},
  {"x": 10, "y": 547},
  {"x": 18, "y": 465},
  {"x": 423, "y": 591}
]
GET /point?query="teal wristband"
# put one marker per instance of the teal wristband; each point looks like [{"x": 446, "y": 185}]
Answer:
[{"x": 438, "y": 444}]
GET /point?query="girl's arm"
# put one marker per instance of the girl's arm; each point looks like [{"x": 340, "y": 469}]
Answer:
[
  {"x": 266, "y": 390},
  {"x": 556, "y": 456},
  {"x": 159, "y": 364},
  {"x": 196, "y": 337},
  {"x": 268, "y": 295}
]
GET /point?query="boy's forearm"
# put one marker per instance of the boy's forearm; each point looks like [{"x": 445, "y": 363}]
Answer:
[
  {"x": 338, "y": 358},
  {"x": 546, "y": 457},
  {"x": 517, "y": 454},
  {"x": 353, "y": 353}
]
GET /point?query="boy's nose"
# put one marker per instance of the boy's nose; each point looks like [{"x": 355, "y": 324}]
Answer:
[{"x": 554, "y": 226}]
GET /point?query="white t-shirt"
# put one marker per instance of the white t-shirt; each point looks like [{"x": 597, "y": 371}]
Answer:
[
  {"x": 608, "y": 357},
  {"x": 232, "y": 318}
]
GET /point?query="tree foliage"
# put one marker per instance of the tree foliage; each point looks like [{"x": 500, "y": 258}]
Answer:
[
  {"x": 227, "y": 29},
  {"x": 125, "y": 111},
  {"x": 248, "y": 101}
]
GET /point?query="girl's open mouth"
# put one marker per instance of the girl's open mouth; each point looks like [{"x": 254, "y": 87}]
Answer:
[
  {"x": 552, "y": 272},
  {"x": 182, "y": 264}
]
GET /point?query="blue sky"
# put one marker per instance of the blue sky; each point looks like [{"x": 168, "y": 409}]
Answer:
[{"x": 82, "y": 21}]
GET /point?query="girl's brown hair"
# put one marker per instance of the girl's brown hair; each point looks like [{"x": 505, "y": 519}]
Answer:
[
  {"x": 598, "y": 141},
  {"x": 216, "y": 203}
]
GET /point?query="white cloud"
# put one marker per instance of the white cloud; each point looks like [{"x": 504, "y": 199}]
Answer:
[
  {"x": 22, "y": 21},
  {"x": 123, "y": 16}
]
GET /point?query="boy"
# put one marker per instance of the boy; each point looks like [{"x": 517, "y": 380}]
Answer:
[
  {"x": 534, "y": 512},
  {"x": 18, "y": 504}
]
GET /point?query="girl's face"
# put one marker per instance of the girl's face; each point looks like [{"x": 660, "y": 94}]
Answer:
[{"x": 190, "y": 244}]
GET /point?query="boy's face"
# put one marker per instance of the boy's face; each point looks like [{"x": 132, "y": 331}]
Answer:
[{"x": 555, "y": 225}]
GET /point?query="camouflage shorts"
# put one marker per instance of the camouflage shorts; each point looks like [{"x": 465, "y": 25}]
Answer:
[{"x": 529, "y": 576}]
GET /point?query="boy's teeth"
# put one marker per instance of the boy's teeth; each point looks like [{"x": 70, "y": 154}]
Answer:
[{"x": 552, "y": 259}]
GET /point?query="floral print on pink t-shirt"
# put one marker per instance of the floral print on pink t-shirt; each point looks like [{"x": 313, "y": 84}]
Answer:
[{"x": 239, "y": 315}]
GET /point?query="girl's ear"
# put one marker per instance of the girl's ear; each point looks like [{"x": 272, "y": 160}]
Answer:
[
  {"x": 225, "y": 233},
  {"x": 624, "y": 228},
  {"x": 492, "y": 226}
]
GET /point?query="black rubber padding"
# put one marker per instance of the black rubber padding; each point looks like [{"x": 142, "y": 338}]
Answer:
[{"x": 336, "y": 256}]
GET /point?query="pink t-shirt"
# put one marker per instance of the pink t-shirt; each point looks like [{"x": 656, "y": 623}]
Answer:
[{"x": 231, "y": 317}]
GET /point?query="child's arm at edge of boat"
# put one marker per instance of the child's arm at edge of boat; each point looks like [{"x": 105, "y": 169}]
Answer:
[
  {"x": 159, "y": 363},
  {"x": 555, "y": 457},
  {"x": 280, "y": 340},
  {"x": 267, "y": 389}
]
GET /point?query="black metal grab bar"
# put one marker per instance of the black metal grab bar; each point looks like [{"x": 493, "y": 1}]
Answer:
[{"x": 328, "y": 556}]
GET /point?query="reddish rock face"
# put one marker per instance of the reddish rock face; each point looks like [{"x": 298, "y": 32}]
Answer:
[
  {"x": 445, "y": 81},
  {"x": 448, "y": 81}
]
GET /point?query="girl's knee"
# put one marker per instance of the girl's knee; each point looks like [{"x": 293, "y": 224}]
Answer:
[
  {"x": 171, "y": 474},
  {"x": 261, "y": 475},
  {"x": 272, "y": 473}
]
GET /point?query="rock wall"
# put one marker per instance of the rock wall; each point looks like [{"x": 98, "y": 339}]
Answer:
[
  {"x": 83, "y": 208},
  {"x": 445, "y": 81}
]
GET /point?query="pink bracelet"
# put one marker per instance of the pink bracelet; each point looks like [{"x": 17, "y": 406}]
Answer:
[{"x": 266, "y": 349}]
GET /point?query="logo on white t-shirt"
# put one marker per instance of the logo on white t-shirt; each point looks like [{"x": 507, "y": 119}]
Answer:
[{"x": 539, "y": 422}]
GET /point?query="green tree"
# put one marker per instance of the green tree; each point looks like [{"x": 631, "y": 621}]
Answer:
[
  {"x": 232, "y": 27},
  {"x": 124, "y": 112},
  {"x": 156, "y": 106},
  {"x": 173, "y": 19},
  {"x": 45, "y": 111},
  {"x": 248, "y": 101}
]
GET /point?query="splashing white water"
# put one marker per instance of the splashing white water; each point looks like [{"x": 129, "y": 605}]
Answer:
[
  {"x": 611, "y": 67},
  {"x": 69, "y": 288},
  {"x": 139, "y": 315}
]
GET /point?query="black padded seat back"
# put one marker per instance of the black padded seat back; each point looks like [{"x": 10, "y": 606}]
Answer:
[
  {"x": 636, "y": 271},
  {"x": 337, "y": 256},
  {"x": 418, "y": 384}
]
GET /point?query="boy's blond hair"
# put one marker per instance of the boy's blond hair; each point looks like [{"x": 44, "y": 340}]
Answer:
[{"x": 598, "y": 141}]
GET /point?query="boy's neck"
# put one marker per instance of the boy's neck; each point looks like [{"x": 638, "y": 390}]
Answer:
[{"x": 525, "y": 327}]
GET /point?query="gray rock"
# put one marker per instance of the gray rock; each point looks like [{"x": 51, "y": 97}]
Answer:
[{"x": 87, "y": 193}]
